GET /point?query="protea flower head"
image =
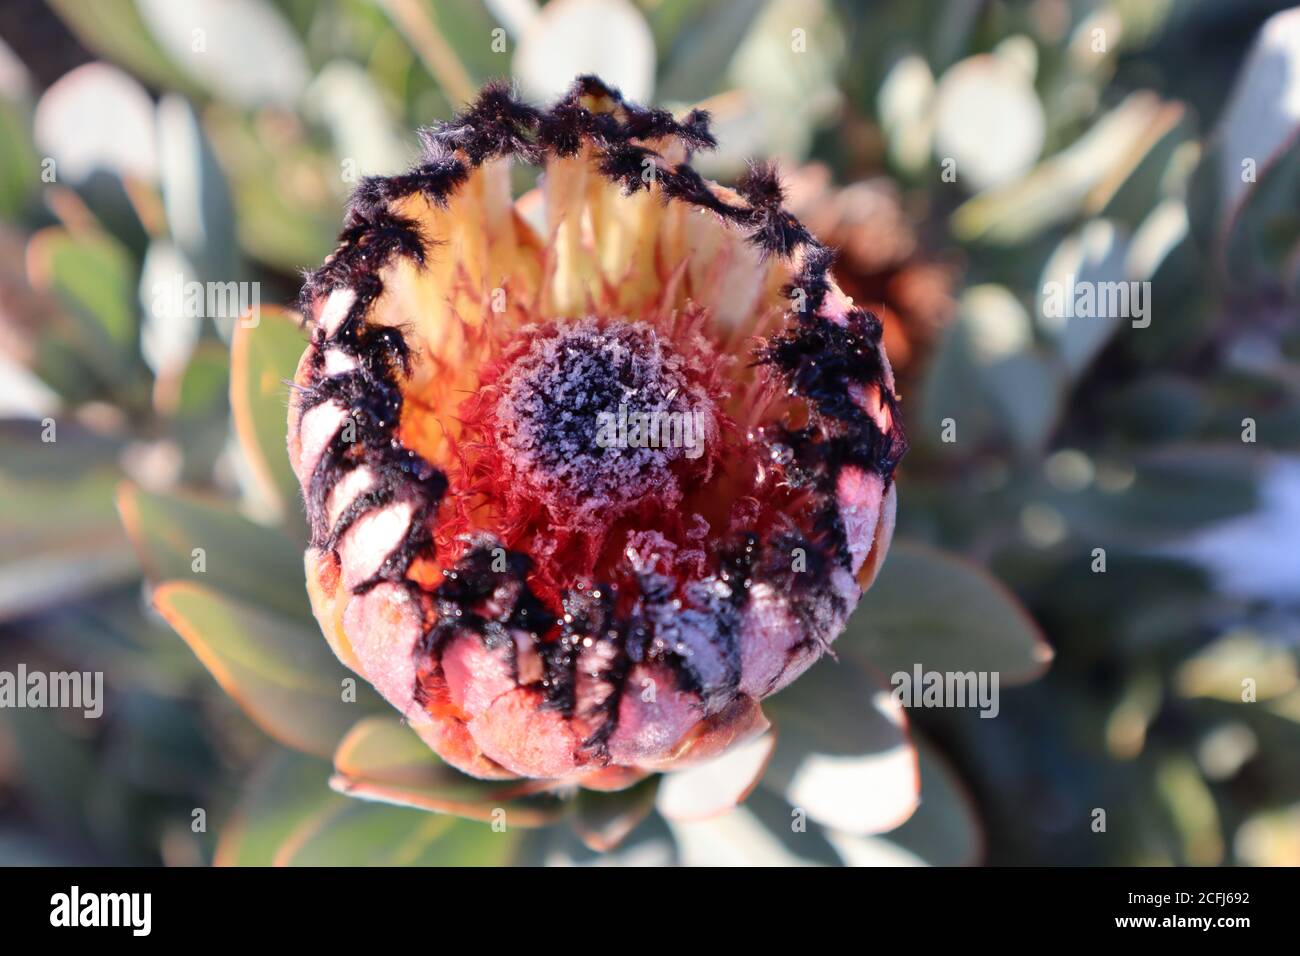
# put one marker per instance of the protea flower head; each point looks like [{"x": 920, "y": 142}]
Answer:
[
  {"x": 881, "y": 261},
  {"x": 591, "y": 473}
]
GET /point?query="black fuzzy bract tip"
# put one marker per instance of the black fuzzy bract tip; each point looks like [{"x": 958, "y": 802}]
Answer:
[{"x": 497, "y": 124}]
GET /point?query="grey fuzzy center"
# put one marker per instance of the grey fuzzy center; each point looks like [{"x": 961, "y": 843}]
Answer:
[{"x": 571, "y": 405}]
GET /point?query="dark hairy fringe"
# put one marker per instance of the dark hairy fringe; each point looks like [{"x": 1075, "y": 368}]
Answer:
[
  {"x": 435, "y": 178},
  {"x": 417, "y": 542},
  {"x": 371, "y": 398},
  {"x": 391, "y": 485},
  {"x": 585, "y": 616},
  {"x": 597, "y": 742},
  {"x": 812, "y": 283},
  {"x": 820, "y": 360},
  {"x": 500, "y": 125},
  {"x": 737, "y": 566},
  {"x": 365, "y": 247},
  {"x": 458, "y": 606},
  {"x": 632, "y": 638},
  {"x": 497, "y": 124},
  {"x": 562, "y": 129},
  {"x": 380, "y": 495},
  {"x": 808, "y": 588},
  {"x": 657, "y": 592},
  {"x": 776, "y": 231}
]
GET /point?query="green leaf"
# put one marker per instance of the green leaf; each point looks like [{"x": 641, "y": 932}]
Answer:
[
  {"x": 115, "y": 633},
  {"x": 954, "y": 389},
  {"x": 1165, "y": 494},
  {"x": 1027, "y": 392},
  {"x": 361, "y": 834},
  {"x": 287, "y": 792},
  {"x": 781, "y": 95},
  {"x": 263, "y": 359},
  {"x": 170, "y": 330},
  {"x": 258, "y": 565},
  {"x": 944, "y": 613},
  {"x": 717, "y": 785},
  {"x": 383, "y": 760},
  {"x": 1078, "y": 180},
  {"x": 1221, "y": 668},
  {"x": 1158, "y": 175},
  {"x": 59, "y": 539},
  {"x": 205, "y": 387},
  {"x": 285, "y": 212},
  {"x": 650, "y": 844},
  {"x": 465, "y": 26},
  {"x": 1084, "y": 260},
  {"x": 250, "y": 55},
  {"x": 804, "y": 838},
  {"x": 603, "y": 820},
  {"x": 94, "y": 278},
  {"x": 1264, "y": 233},
  {"x": 25, "y": 455},
  {"x": 1252, "y": 162},
  {"x": 20, "y": 846},
  {"x": 197, "y": 201},
  {"x": 1167, "y": 253},
  {"x": 57, "y": 768},
  {"x": 200, "y": 417},
  {"x": 989, "y": 379},
  {"x": 61, "y": 570},
  {"x": 278, "y": 669},
  {"x": 842, "y": 753},
  {"x": 759, "y": 833},
  {"x": 1192, "y": 808},
  {"x": 18, "y": 161},
  {"x": 346, "y": 99},
  {"x": 113, "y": 28},
  {"x": 698, "y": 60},
  {"x": 945, "y": 830}
]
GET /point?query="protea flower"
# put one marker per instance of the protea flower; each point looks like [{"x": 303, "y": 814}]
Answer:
[{"x": 592, "y": 473}]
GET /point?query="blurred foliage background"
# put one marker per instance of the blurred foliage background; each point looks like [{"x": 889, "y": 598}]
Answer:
[{"x": 962, "y": 155}]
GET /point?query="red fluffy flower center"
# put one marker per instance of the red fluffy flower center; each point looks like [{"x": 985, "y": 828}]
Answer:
[{"x": 591, "y": 437}]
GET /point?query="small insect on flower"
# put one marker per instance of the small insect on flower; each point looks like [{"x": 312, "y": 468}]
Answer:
[{"x": 591, "y": 473}]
